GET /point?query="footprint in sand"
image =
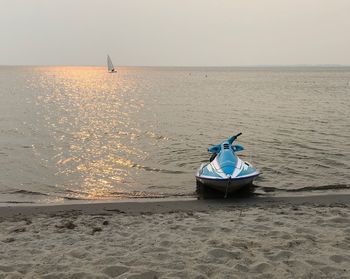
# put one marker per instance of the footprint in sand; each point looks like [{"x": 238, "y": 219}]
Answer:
[
  {"x": 340, "y": 220},
  {"x": 339, "y": 259},
  {"x": 203, "y": 229},
  {"x": 145, "y": 275},
  {"x": 261, "y": 267},
  {"x": 332, "y": 271},
  {"x": 84, "y": 275},
  {"x": 78, "y": 253},
  {"x": 6, "y": 268},
  {"x": 278, "y": 234},
  {"x": 207, "y": 269},
  {"x": 222, "y": 253},
  {"x": 57, "y": 275},
  {"x": 281, "y": 255},
  {"x": 262, "y": 219},
  {"x": 164, "y": 235},
  {"x": 114, "y": 271},
  {"x": 166, "y": 243},
  {"x": 241, "y": 268},
  {"x": 225, "y": 229}
]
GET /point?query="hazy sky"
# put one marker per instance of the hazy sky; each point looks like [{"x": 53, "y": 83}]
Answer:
[{"x": 174, "y": 32}]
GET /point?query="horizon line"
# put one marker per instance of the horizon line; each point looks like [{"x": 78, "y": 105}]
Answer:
[{"x": 186, "y": 66}]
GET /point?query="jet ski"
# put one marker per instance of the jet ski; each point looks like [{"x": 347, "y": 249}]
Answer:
[{"x": 226, "y": 172}]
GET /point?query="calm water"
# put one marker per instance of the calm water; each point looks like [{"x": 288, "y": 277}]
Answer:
[{"x": 71, "y": 133}]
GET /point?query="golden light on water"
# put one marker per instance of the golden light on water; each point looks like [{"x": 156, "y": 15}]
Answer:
[{"x": 88, "y": 113}]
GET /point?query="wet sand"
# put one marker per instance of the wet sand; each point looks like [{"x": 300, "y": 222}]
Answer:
[{"x": 294, "y": 237}]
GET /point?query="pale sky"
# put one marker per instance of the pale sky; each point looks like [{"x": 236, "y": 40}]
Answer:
[{"x": 174, "y": 32}]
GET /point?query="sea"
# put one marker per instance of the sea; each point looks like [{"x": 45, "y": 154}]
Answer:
[{"x": 73, "y": 134}]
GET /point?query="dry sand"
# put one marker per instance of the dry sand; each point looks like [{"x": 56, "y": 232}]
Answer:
[{"x": 305, "y": 237}]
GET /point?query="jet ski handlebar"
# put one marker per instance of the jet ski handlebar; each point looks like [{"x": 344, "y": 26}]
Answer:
[
  {"x": 236, "y": 136},
  {"x": 217, "y": 148},
  {"x": 233, "y": 138}
]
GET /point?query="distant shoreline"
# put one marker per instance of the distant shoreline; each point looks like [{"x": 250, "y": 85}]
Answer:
[{"x": 195, "y": 67}]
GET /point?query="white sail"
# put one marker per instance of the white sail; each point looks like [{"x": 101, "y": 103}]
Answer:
[{"x": 110, "y": 64}]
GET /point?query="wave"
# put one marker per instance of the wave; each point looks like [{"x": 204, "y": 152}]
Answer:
[
  {"x": 26, "y": 192},
  {"x": 157, "y": 170},
  {"x": 150, "y": 195},
  {"x": 267, "y": 189},
  {"x": 118, "y": 195},
  {"x": 17, "y": 202}
]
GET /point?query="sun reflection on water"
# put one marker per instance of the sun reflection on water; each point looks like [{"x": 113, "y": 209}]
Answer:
[{"x": 88, "y": 113}]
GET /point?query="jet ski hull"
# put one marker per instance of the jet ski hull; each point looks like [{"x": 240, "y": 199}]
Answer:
[{"x": 230, "y": 185}]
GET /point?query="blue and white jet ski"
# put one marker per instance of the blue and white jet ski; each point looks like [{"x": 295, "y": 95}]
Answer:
[{"x": 226, "y": 172}]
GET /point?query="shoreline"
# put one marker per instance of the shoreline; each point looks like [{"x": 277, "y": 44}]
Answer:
[{"x": 170, "y": 206}]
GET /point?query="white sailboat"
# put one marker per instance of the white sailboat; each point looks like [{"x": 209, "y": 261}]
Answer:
[{"x": 110, "y": 65}]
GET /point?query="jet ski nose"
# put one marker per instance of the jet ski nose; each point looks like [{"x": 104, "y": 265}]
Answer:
[{"x": 228, "y": 169}]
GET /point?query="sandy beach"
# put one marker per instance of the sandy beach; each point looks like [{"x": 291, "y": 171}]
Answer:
[{"x": 295, "y": 237}]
